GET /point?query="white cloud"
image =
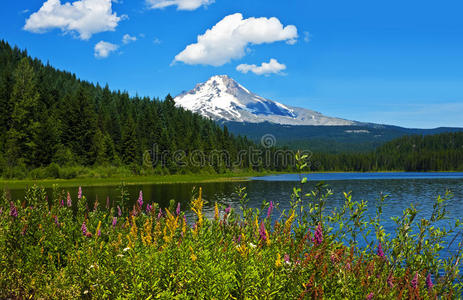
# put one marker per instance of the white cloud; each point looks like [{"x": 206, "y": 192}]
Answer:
[
  {"x": 86, "y": 17},
  {"x": 229, "y": 38},
  {"x": 306, "y": 36},
  {"x": 181, "y": 4},
  {"x": 272, "y": 67},
  {"x": 156, "y": 41},
  {"x": 127, "y": 38},
  {"x": 103, "y": 49}
]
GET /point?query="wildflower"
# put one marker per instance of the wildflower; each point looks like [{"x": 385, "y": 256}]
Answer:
[
  {"x": 270, "y": 209},
  {"x": 278, "y": 261},
  {"x": 160, "y": 213},
  {"x": 262, "y": 232},
  {"x": 68, "y": 200},
  {"x": 414, "y": 282},
  {"x": 216, "y": 212},
  {"x": 289, "y": 221},
  {"x": 1, "y": 210},
  {"x": 370, "y": 296},
  {"x": 61, "y": 203},
  {"x": 429, "y": 283},
  {"x": 56, "y": 221},
  {"x": 114, "y": 221},
  {"x": 88, "y": 234},
  {"x": 193, "y": 257},
  {"x": 239, "y": 239},
  {"x": 119, "y": 211},
  {"x": 252, "y": 245},
  {"x": 227, "y": 210},
  {"x": 140, "y": 199},
  {"x": 149, "y": 208},
  {"x": 79, "y": 193},
  {"x": 126, "y": 249},
  {"x": 380, "y": 252},
  {"x": 13, "y": 210},
  {"x": 177, "y": 211},
  {"x": 318, "y": 236},
  {"x": 84, "y": 228},
  {"x": 286, "y": 258},
  {"x": 98, "y": 230}
]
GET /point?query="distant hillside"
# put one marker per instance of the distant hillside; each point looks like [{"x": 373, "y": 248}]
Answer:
[
  {"x": 329, "y": 139},
  {"x": 49, "y": 117},
  {"x": 439, "y": 152}
]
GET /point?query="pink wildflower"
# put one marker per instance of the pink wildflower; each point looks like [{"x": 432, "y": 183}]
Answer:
[
  {"x": 119, "y": 211},
  {"x": 84, "y": 228},
  {"x": 270, "y": 209},
  {"x": 414, "y": 282},
  {"x": 262, "y": 233},
  {"x": 318, "y": 236},
  {"x": 61, "y": 203},
  {"x": 68, "y": 200},
  {"x": 380, "y": 252},
  {"x": 79, "y": 193},
  {"x": 227, "y": 210},
  {"x": 114, "y": 221},
  {"x": 13, "y": 210},
  {"x": 370, "y": 296},
  {"x": 429, "y": 283},
  {"x": 178, "y": 209},
  {"x": 140, "y": 199},
  {"x": 286, "y": 258}
]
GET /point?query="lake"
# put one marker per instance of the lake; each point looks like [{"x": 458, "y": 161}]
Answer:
[{"x": 403, "y": 189}]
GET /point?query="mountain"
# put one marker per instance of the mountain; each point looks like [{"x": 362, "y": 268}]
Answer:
[{"x": 223, "y": 99}]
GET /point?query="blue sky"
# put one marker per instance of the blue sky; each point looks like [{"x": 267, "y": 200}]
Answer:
[{"x": 393, "y": 62}]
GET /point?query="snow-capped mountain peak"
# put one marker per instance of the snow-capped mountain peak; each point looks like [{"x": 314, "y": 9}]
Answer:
[{"x": 223, "y": 99}]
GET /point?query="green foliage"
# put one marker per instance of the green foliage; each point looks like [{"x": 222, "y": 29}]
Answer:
[{"x": 52, "y": 250}]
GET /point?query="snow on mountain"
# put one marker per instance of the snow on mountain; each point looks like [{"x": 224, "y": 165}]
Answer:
[{"x": 223, "y": 99}]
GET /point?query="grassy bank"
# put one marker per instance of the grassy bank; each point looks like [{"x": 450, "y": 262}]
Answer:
[{"x": 131, "y": 180}]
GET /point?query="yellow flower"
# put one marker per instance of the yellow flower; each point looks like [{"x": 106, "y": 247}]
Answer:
[
  {"x": 278, "y": 261},
  {"x": 197, "y": 207},
  {"x": 216, "y": 212},
  {"x": 289, "y": 222}
]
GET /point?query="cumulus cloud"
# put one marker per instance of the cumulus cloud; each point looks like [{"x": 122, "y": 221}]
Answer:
[
  {"x": 103, "y": 49},
  {"x": 86, "y": 17},
  {"x": 230, "y": 37},
  {"x": 272, "y": 67},
  {"x": 127, "y": 38},
  {"x": 181, "y": 4}
]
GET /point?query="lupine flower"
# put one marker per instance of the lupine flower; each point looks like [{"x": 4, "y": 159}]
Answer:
[
  {"x": 119, "y": 211},
  {"x": 99, "y": 232},
  {"x": 380, "y": 252},
  {"x": 318, "y": 236},
  {"x": 178, "y": 209},
  {"x": 239, "y": 239},
  {"x": 114, "y": 221},
  {"x": 61, "y": 203},
  {"x": 79, "y": 193},
  {"x": 429, "y": 283},
  {"x": 160, "y": 213},
  {"x": 68, "y": 200},
  {"x": 140, "y": 199},
  {"x": 13, "y": 210},
  {"x": 56, "y": 221},
  {"x": 414, "y": 282},
  {"x": 149, "y": 207},
  {"x": 262, "y": 234},
  {"x": 270, "y": 209},
  {"x": 84, "y": 228},
  {"x": 370, "y": 296},
  {"x": 227, "y": 210}
]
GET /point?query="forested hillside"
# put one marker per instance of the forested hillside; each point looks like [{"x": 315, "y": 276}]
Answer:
[
  {"x": 439, "y": 152},
  {"x": 51, "y": 118}
]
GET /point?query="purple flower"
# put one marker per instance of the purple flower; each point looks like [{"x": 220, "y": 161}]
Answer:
[
  {"x": 13, "y": 210},
  {"x": 178, "y": 209},
  {"x": 62, "y": 203},
  {"x": 114, "y": 221},
  {"x": 262, "y": 233},
  {"x": 380, "y": 252},
  {"x": 318, "y": 236},
  {"x": 149, "y": 208},
  {"x": 119, "y": 211},
  {"x": 370, "y": 296},
  {"x": 239, "y": 239},
  {"x": 270, "y": 209},
  {"x": 414, "y": 282},
  {"x": 79, "y": 193},
  {"x": 286, "y": 258},
  {"x": 227, "y": 210},
  {"x": 140, "y": 199},
  {"x": 429, "y": 283},
  {"x": 160, "y": 213},
  {"x": 68, "y": 200},
  {"x": 84, "y": 228},
  {"x": 56, "y": 221},
  {"x": 99, "y": 232}
]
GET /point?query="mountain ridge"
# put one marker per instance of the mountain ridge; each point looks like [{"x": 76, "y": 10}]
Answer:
[{"x": 221, "y": 98}]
